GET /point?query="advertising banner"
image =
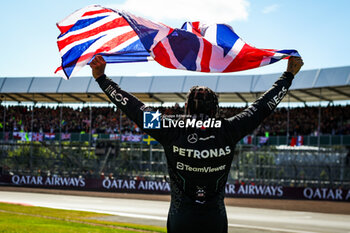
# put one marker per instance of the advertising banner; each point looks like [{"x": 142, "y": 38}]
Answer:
[{"x": 160, "y": 187}]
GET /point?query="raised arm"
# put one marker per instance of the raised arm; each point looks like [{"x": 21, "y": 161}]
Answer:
[
  {"x": 250, "y": 118},
  {"x": 128, "y": 103}
]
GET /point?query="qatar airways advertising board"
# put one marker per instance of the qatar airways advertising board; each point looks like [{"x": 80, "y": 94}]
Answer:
[{"x": 160, "y": 187}]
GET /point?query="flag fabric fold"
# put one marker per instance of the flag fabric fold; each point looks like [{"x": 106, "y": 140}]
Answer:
[{"x": 121, "y": 37}]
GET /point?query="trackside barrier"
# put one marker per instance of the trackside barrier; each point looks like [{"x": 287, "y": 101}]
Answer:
[{"x": 163, "y": 187}]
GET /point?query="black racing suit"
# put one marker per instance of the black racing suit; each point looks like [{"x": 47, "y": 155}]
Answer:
[{"x": 199, "y": 158}]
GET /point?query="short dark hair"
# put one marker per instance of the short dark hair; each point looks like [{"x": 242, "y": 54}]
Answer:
[{"x": 202, "y": 100}]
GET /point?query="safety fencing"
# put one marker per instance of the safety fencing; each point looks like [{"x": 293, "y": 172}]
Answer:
[{"x": 262, "y": 168}]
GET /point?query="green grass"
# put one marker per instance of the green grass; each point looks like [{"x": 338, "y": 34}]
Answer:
[{"x": 17, "y": 218}]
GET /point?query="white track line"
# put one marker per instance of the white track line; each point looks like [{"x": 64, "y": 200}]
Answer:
[
  {"x": 268, "y": 228},
  {"x": 159, "y": 218}
]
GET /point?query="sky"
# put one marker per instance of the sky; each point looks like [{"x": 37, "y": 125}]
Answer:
[{"x": 318, "y": 29}]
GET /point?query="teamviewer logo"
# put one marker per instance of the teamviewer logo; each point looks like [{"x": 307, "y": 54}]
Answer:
[{"x": 151, "y": 120}]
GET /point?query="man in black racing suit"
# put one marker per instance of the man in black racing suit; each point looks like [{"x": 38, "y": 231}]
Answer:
[{"x": 199, "y": 155}]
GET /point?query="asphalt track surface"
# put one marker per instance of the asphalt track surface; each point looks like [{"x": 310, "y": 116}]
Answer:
[{"x": 150, "y": 212}]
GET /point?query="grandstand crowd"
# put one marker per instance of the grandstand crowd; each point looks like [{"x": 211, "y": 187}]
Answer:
[{"x": 334, "y": 120}]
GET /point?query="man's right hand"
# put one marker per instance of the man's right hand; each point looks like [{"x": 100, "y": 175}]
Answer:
[
  {"x": 294, "y": 65},
  {"x": 98, "y": 65}
]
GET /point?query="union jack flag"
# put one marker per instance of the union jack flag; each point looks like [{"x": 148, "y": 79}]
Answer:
[
  {"x": 37, "y": 137},
  {"x": 65, "y": 136},
  {"x": 122, "y": 37}
]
